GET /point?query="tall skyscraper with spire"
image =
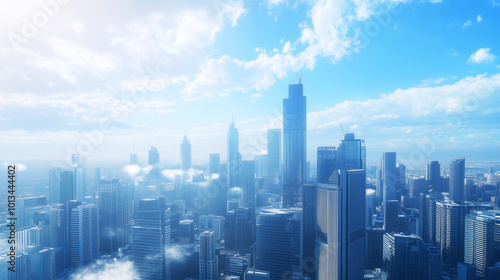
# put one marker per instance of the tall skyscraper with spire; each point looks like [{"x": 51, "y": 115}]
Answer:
[
  {"x": 134, "y": 159},
  {"x": 233, "y": 156},
  {"x": 294, "y": 144},
  {"x": 185, "y": 154}
]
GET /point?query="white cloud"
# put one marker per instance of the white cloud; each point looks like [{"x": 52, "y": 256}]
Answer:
[
  {"x": 479, "y": 18},
  {"x": 107, "y": 270},
  {"x": 467, "y": 23},
  {"x": 481, "y": 55}
]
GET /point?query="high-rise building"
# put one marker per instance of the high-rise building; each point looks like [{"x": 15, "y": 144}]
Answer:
[
  {"x": 391, "y": 216},
  {"x": 341, "y": 227},
  {"x": 351, "y": 153},
  {"x": 294, "y": 144},
  {"x": 449, "y": 231},
  {"x": 151, "y": 239},
  {"x": 457, "y": 180},
  {"x": 214, "y": 167},
  {"x": 278, "y": 244},
  {"x": 208, "y": 258},
  {"x": 154, "y": 161},
  {"x": 239, "y": 229},
  {"x": 61, "y": 187},
  {"x": 134, "y": 159},
  {"x": 247, "y": 174},
  {"x": 403, "y": 257},
  {"x": 379, "y": 185},
  {"x": 480, "y": 242},
  {"x": 389, "y": 176},
  {"x": 417, "y": 186},
  {"x": 432, "y": 263},
  {"x": 115, "y": 211},
  {"x": 401, "y": 180},
  {"x": 233, "y": 156},
  {"x": 79, "y": 177},
  {"x": 260, "y": 165},
  {"x": 326, "y": 163},
  {"x": 83, "y": 223},
  {"x": 309, "y": 196},
  {"x": 433, "y": 176},
  {"x": 374, "y": 248},
  {"x": 185, "y": 154},
  {"x": 274, "y": 154}
]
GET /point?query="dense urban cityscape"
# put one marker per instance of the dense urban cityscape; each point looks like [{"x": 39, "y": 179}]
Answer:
[
  {"x": 271, "y": 218},
  {"x": 250, "y": 140}
]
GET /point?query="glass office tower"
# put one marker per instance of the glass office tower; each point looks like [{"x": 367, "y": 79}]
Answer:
[
  {"x": 294, "y": 144},
  {"x": 457, "y": 180},
  {"x": 326, "y": 163},
  {"x": 340, "y": 238},
  {"x": 351, "y": 153},
  {"x": 279, "y": 242}
]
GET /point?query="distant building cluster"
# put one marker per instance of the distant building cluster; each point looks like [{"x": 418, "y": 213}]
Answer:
[{"x": 270, "y": 218}]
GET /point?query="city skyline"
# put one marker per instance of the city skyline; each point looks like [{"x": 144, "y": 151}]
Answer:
[
  {"x": 240, "y": 140},
  {"x": 70, "y": 100}
]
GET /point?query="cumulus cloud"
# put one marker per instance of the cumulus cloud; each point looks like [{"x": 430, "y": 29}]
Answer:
[{"x": 482, "y": 55}]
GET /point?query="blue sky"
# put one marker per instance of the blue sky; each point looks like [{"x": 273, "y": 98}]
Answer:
[{"x": 395, "y": 72}]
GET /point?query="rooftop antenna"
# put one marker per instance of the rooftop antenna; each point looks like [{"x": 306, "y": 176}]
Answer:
[
  {"x": 343, "y": 131},
  {"x": 133, "y": 152},
  {"x": 232, "y": 116},
  {"x": 299, "y": 78}
]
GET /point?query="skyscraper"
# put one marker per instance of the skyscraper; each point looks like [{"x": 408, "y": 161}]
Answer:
[
  {"x": 433, "y": 176},
  {"x": 457, "y": 180},
  {"x": 341, "y": 227},
  {"x": 273, "y": 154},
  {"x": 278, "y": 244},
  {"x": 294, "y": 144},
  {"x": 391, "y": 212},
  {"x": 351, "y": 153},
  {"x": 61, "y": 187},
  {"x": 151, "y": 239},
  {"x": 389, "y": 176},
  {"x": 214, "y": 167},
  {"x": 208, "y": 258},
  {"x": 248, "y": 182},
  {"x": 233, "y": 156},
  {"x": 374, "y": 248},
  {"x": 309, "y": 196},
  {"x": 450, "y": 231},
  {"x": 115, "y": 211},
  {"x": 79, "y": 177},
  {"x": 326, "y": 163},
  {"x": 185, "y": 154},
  {"x": 480, "y": 242},
  {"x": 83, "y": 233},
  {"x": 134, "y": 159},
  {"x": 403, "y": 257},
  {"x": 154, "y": 161}
]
